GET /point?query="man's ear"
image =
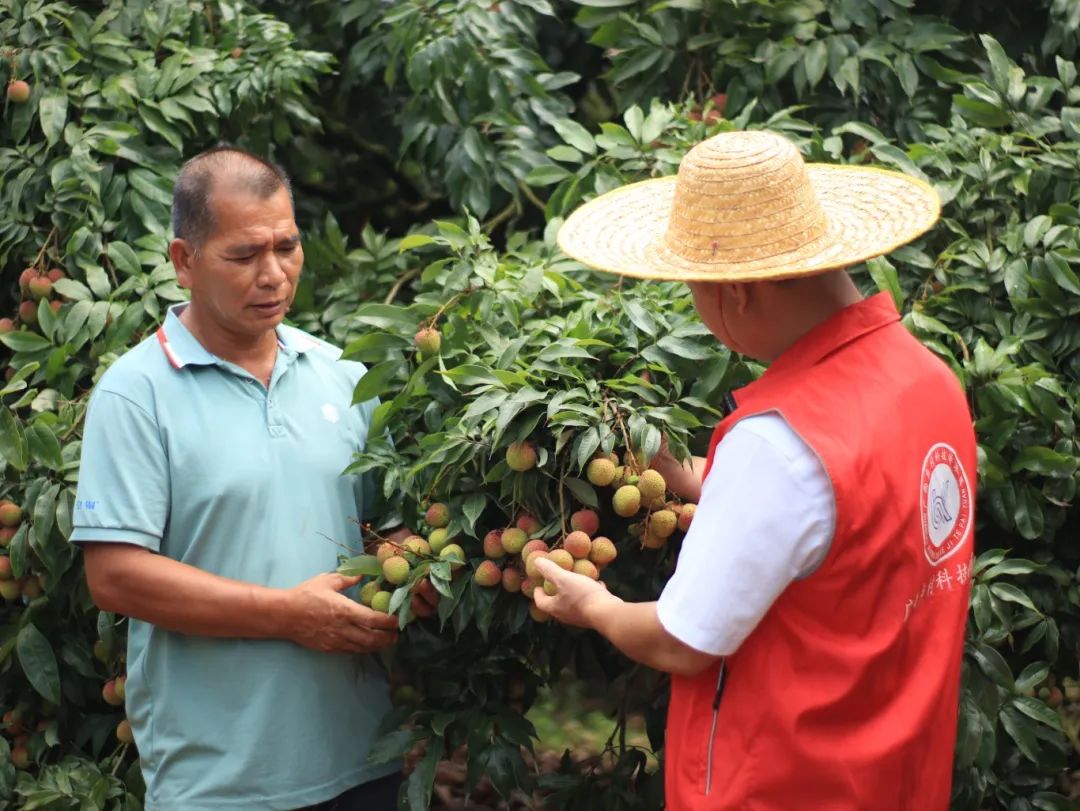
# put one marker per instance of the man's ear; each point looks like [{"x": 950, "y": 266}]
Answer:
[
  {"x": 183, "y": 257},
  {"x": 738, "y": 294}
]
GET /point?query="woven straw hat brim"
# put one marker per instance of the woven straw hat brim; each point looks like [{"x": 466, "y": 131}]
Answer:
[{"x": 869, "y": 212}]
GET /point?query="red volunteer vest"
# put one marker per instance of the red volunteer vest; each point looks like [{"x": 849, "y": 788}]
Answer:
[{"x": 844, "y": 697}]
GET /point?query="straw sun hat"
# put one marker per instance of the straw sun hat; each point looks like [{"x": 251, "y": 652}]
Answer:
[{"x": 745, "y": 207}]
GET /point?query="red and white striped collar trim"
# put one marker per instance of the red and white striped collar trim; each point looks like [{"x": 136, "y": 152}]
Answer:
[{"x": 176, "y": 361}]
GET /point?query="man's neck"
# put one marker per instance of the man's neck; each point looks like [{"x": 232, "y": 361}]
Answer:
[
  {"x": 255, "y": 353},
  {"x": 802, "y": 306}
]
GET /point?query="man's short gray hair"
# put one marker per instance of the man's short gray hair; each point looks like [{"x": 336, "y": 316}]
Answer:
[{"x": 192, "y": 214}]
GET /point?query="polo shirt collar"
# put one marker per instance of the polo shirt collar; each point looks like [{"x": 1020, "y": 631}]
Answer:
[{"x": 183, "y": 349}]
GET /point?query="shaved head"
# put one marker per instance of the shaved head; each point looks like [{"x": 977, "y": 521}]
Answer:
[{"x": 227, "y": 167}]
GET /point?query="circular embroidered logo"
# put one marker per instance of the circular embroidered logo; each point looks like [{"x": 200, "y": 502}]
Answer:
[{"x": 946, "y": 503}]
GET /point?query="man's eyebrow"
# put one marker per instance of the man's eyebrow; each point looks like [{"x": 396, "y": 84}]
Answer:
[{"x": 254, "y": 247}]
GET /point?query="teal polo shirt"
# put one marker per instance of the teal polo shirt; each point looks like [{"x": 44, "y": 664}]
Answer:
[{"x": 192, "y": 457}]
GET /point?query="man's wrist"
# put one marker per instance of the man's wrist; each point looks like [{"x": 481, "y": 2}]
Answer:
[
  {"x": 277, "y": 607},
  {"x": 600, "y": 610}
]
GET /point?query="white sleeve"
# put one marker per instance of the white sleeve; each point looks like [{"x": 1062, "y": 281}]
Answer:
[{"x": 766, "y": 517}]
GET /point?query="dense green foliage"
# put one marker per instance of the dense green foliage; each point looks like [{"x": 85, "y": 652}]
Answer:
[{"x": 496, "y": 119}]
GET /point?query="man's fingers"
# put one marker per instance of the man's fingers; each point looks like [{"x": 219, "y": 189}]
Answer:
[
  {"x": 365, "y": 617},
  {"x": 340, "y": 582},
  {"x": 544, "y": 601},
  {"x": 551, "y": 571}
]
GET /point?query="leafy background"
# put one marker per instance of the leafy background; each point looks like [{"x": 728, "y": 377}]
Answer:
[{"x": 435, "y": 147}]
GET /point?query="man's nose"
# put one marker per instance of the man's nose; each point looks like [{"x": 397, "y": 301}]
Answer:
[{"x": 271, "y": 270}]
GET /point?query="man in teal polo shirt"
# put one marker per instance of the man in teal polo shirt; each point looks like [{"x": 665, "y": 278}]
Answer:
[{"x": 211, "y": 510}]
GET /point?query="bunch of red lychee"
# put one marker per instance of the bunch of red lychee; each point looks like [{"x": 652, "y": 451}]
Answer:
[
  {"x": 34, "y": 285},
  {"x": 11, "y": 589},
  {"x": 18, "y": 725},
  {"x": 638, "y": 490},
  {"x": 511, "y": 555}
]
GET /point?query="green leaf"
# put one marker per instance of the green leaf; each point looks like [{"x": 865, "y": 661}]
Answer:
[
  {"x": 582, "y": 491},
  {"x": 1021, "y": 730},
  {"x": 883, "y": 272},
  {"x": 44, "y": 446},
  {"x": 546, "y": 175},
  {"x": 1011, "y": 594},
  {"x": 52, "y": 109},
  {"x": 386, "y": 316},
  {"x": 38, "y": 662},
  {"x": 24, "y": 341},
  {"x": 682, "y": 348},
  {"x": 414, "y": 241},
  {"x": 13, "y": 445},
  {"x": 376, "y": 381},
  {"x": 981, "y": 113},
  {"x": 815, "y": 60},
  {"x": 361, "y": 565},
  {"x": 1033, "y": 708},
  {"x": 992, "y": 664},
  {"x": 575, "y": 135},
  {"x": 124, "y": 258}
]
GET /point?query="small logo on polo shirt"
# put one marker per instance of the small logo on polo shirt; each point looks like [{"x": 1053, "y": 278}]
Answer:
[
  {"x": 330, "y": 412},
  {"x": 946, "y": 503}
]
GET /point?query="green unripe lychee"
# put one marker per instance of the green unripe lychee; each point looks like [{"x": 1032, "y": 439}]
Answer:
[
  {"x": 586, "y": 521},
  {"x": 381, "y": 602},
  {"x": 662, "y": 523},
  {"x": 550, "y": 588},
  {"x": 627, "y": 501},
  {"x": 652, "y": 485},
  {"x": 686, "y": 516},
  {"x": 396, "y": 570},
  {"x": 578, "y": 544},
  {"x": 621, "y": 474},
  {"x": 493, "y": 545},
  {"x": 488, "y": 574},
  {"x": 386, "y": 551},
  {"x": 368, "y": 591},
  {"x": 602, "y": 552},
  {"x": 514, "y": 540},
  {"x": 600, "y": 472},
  {"x": 416, "y": 545},
  {"x": 428, "y": 340},
  {"x": 521, "y": 456},
  {"x": 438, "y": 539},
  {"x": 437, "y": 515},
  {"x": 453, "y": 552},
  {"x": 562, "y": 558},
  {"x": 587, "y": 568}
]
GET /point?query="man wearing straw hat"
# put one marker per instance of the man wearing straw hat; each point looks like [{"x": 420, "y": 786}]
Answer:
[{"x": 815, "y": 622}]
